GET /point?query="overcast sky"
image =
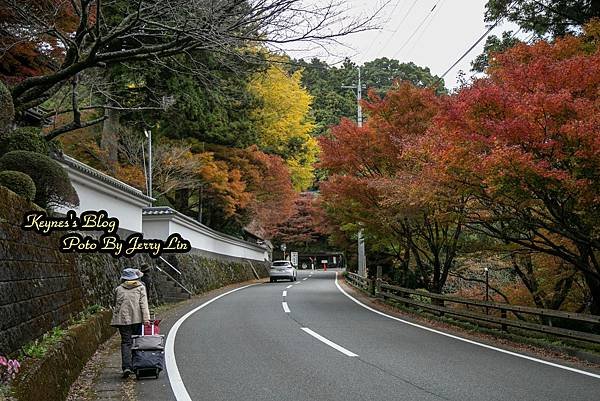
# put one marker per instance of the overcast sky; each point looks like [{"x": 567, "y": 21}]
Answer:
[{"x": 434, "y": 39}]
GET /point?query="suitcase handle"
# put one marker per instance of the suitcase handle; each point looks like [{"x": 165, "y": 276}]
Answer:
[{"x": 151, "y": 325}]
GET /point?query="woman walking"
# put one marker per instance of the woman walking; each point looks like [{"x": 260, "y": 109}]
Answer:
[{"x": 131, "y": 310}]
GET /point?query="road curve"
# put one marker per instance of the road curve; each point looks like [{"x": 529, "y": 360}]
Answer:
[{"x": 314, "y": 343}]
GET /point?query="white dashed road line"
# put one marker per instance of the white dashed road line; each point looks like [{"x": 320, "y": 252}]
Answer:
[
  {"x": 286, "y": 309},
  {"x": 328, "y": 342},
  {"x": 289, "y": 286},
  {"x": 284, "y": 293},
  {"x": 304, "y": 279}
]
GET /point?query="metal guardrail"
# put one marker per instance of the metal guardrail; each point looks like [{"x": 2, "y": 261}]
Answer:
[{"x": 490, "y": 312}]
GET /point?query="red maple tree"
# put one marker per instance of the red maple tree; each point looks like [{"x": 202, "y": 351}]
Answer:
[{"x": 523, "y": 144}]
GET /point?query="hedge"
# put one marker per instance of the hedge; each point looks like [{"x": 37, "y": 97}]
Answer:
[
  {"x": 53, "y": 187},
  {"x": 23, "y": 138},
  {"x": 7, "y": 109},
  {"x": 18, "y": 182}
]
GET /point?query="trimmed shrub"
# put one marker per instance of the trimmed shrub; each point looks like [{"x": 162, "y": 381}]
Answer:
[
  {"x": 23, "y": 138},
  {"x": 53, "y": 187},
  {"x": 18, "y": 182},
  {"x": 7, "y": 109}
]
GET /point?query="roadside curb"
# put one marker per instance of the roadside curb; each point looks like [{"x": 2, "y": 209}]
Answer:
[
  {"x": 572, "y": 357},
  {"x": 107, "y": 383}
]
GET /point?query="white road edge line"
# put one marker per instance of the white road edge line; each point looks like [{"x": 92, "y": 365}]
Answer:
[
  {"x": 328, "y": 342},
  {"x": 175, "y": 380},
  {"x": 289, "y": 286},
  {"x": 556, "y": 365},
  {"x": 286, "y": 309},
  {"x": 284, "y": 293}
]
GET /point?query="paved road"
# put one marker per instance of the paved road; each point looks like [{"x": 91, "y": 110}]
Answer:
[{"x": 245, "y": 346}]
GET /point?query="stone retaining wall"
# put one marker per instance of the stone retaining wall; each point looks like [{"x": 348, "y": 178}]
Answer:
[
  {"x": 50, "y": 377},
  {"x": 39, "y": 286},
  {"x": 200, "y": 274}
]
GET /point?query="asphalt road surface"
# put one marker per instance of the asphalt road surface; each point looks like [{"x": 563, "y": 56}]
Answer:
[{"x": 309, "y": 341}]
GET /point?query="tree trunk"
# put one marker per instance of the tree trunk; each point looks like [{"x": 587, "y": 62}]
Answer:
[
  {"x": 593, "y": 284},
  {"x": 182, "y": 197},
  {"x": 594, "y": 9},
  {"x": 110, "y": 135},
  {"x": 524, "y": 270}
]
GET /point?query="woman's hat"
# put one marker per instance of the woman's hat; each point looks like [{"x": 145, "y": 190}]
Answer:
[{"x": 129, "y": 274}]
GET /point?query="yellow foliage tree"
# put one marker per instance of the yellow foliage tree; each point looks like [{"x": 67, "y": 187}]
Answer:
[{"x": 284, "y": 122}]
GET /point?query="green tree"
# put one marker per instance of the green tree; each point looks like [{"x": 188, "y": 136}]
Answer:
[
  {"x": 544, "y": 17},
  {"x": 214, "y": 109},
  {"x": 493, "y": 45},
  {"x": 381, "y": 74},
  {"x": 53, "y": 187},
  {"x": 332, "y": 102}
]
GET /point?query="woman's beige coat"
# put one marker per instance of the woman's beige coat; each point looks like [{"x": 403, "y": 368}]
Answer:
[{"x": 131, "y": 304}]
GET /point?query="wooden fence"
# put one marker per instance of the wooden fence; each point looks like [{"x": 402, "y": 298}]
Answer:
[
  {"x": 489, "y": 312},
  {"x": 359, "y": 282}
]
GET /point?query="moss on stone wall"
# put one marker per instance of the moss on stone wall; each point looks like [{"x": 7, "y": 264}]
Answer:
[
  {"x": 99, "y": 274},
  {"x": 49, "y": 378},
  {"x": 200, "y": 274}
]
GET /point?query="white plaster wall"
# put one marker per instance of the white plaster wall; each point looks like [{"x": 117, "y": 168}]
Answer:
[
  {"x": 155, "y": 229},
  {"x": 96, "y": 195},
  {"x": 201, "y": 238},
  {"x": 202, "y": 241}
]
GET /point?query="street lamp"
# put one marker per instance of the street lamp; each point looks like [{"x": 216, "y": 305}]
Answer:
[
  {"x": 283, "y": 248},
  {"x": 487, "y": 287}
]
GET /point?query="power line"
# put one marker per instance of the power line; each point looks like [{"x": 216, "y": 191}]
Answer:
[
  {"x": 398, "y": 26},
  {"x": 472, "y": 46},
  {"x": 381, "y": 31},
  {"x": 425, "y": 28},
  {"x": 468, "y": 51},
  {"x": 416, "y": 29}
]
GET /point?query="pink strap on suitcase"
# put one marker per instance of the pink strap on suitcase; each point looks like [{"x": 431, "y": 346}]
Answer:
[
  {"x": 153, "y": 324},
  {"x": 152, "y": 329}
]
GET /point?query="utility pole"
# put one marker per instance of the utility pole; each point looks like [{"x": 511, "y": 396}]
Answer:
[
  {"x": 358, "y": 88},
  {"x": 148, "y": 134},
  {"x": 362, "y": 260}
]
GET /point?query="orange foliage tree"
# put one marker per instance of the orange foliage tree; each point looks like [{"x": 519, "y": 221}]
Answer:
[
  {"x": 27, "y": 50},
  {"x": 304, "y": 227},
  {"x": 382, "y": 179}
]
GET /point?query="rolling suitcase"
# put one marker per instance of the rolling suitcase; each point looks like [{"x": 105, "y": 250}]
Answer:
[
  {"x": 148, "y": 362},
  {"x": 148, "y": 355}
]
